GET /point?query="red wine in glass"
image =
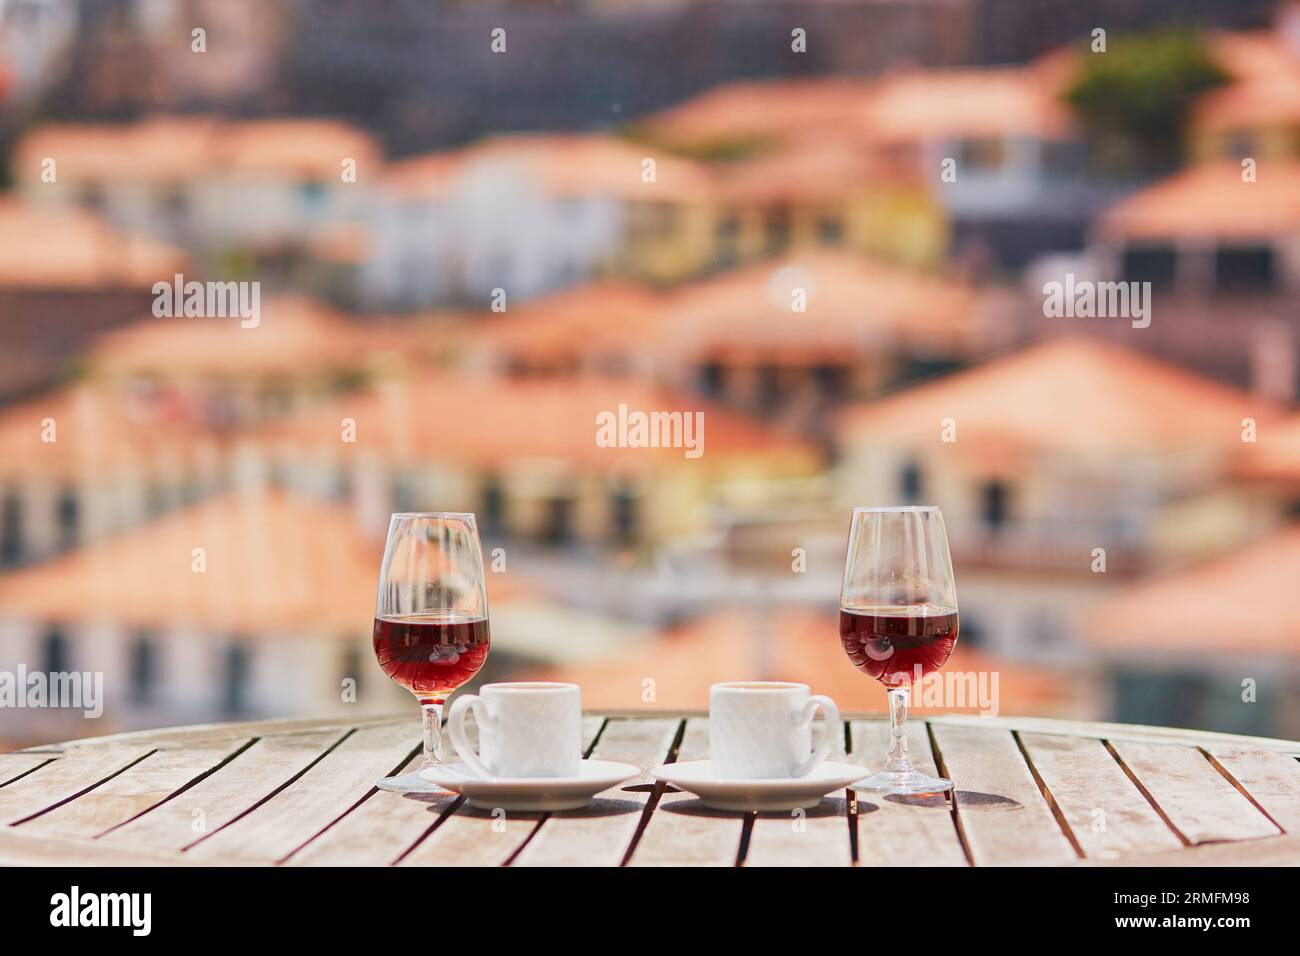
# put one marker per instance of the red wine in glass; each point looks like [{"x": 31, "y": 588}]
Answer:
[
  {"x": 433, "y": 653},
  {"x": 898, "y": 644}
]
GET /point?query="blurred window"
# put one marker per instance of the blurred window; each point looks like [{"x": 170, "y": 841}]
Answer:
[
  {"x": 727, "y": 237},
  {"x": 970, "y": 630},
  {"x": 909, "y": 481},
  {"x": 312, "y": 193},
  {"x": 623, "y": 515},
  {"x": 69, "y": 518},
  {"x": 493, "y": 505},
  {"x": 557, "y": 528},
  {"x": 776, "y": 229},
  {"x": 1062, "y": 160},
  {"x": 143, "y": 667},
  {"x": 1244, "y": 268},
  {"x": 235, "y": 668},
  {"x": 981, "y": 155},
  {"x": 830, "y": 380},
  {"x": 352, "y": 666},
  {"x": 1168, "y": 698},
  {"x": 768, "y": 387},
  {"x": 713, "y": 379},
  {"x": 11, "y": 532},
  {"x": 830, "y": 230},
  {"x": 1157, "y": 264},
  {"x": 56, "y": 657},
  {"x": 994, "y": 504}
]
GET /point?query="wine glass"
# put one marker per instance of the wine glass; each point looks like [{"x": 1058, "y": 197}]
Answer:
[
  {"x": 898, "y": 620},
  {"x": 431, "y": 620}
]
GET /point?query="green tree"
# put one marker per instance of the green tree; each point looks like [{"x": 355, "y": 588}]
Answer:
[{"x": 1134, "y": 99}]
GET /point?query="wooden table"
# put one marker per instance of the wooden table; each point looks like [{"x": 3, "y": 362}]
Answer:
[{"x": 300, "y": 793}]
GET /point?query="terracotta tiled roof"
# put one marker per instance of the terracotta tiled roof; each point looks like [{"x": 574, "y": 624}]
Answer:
[
  {"x": 1073, "y": 395},
  {"x": 276, "y": 566},
  {"x": 853, "y": 304},
  {"x": 1240, "y": 604},
  {"x": 824, "y": 168},
  {"x": 1265, "y": 88},
  {"x": 295, "y": 335},
  {"x": 170, "y": 149},
  {"x": 53, "y": 248},
  {"x": 598, "y": 319},
  {"x": 565, "y": 165},
  {"x": 792, "y": 644},
  {"x": 1211, "y": 201},
  {"x": 759, "y": 112},
  {"x": 481, "y": 421},
  {"x": 917, "y": 106},
  {"x": 1275, "y": 454},
  {"x": 99, "y": 434}
]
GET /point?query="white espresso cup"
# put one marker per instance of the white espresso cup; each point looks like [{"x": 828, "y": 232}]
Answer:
[
  {"x": 763, "y": 729},
  {"x": 525, "y": 729}
]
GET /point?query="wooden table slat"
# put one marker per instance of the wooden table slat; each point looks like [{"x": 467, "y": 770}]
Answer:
[
  {"x": 1196, "y": 798},
  {"x": 1271, "y": 778},
  {"x": 684, "y": 831},
  {"x": 15, "y": 765},
  {"x": 1107, "y": 814},
  {"x": 216, "y": 800},
  {"x": 473, "y": 837},
  {"x": 1004, "y": 817},
  {"x": 77, "y": 770},
  {"x": 896, "y": 831},
  {"x": 602, "y": 834},
  {"x": 136, "y": 789},
  {"x": 816, "y": 837},
  {"x": 277, "y": 827},
  {"x": 1029, "y": 792}
]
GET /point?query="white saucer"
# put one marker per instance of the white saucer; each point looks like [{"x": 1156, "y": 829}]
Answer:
[
  {"x": 797, "y": 793},
  {"x": 531, "y": 793}
]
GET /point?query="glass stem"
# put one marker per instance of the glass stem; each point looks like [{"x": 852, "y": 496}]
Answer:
[
  {"x": 431, "y": 715},
  {"x": 898, "y": 761}
]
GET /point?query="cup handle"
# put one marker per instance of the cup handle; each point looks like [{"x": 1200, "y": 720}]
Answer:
[
  {"x": 456, "y": 724},
  {"x": 831, "y": 720}
]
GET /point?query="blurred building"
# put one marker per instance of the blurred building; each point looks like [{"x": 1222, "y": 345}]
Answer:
[
  {"x": 524, "y": 455},
  {"x": 1042, "y": 457},
  {"x": 65, "y": 275},
  {"x": 791, "y": 643},
  {"x": 792, "y": 338},
  {"x": 531, "y": 214},
  {"x": 84, "y": 462},
  {"x": 1210, "y": 646},
  {"x": 224, "y": 188}
]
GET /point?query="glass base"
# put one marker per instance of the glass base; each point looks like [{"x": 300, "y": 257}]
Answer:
[
  {"x": 410, "y": 783},
  {"x": 901, "y": 781}
]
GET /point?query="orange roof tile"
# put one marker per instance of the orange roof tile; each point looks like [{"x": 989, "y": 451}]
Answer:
[
  {"x": 789, "y": 643},
  {"x": 580, "y": 164},
  {"x": 758, "y": 112},
  {"x": 1265, "y": 87},
  {"x": 99, "y": 433},
  {"x": 67, "y": 248},
  {"x": 276, "y": 566},
  {"x": 916, "y": 106},
  {"x": 1071, "y": 395},
  {"x": 1210, "y": 201},
  {"x": 598, "y": 320},
  {"x": 824, "y": 169},
  {"x": 1239, "y": 604},
  {"x": 172, "y": 149},
  {"x": 296, "y": 335},
  {"x": 1275, "y": 454},
  {"x": 853, "y": 304},
  {"x": 488, "y": 422}
]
